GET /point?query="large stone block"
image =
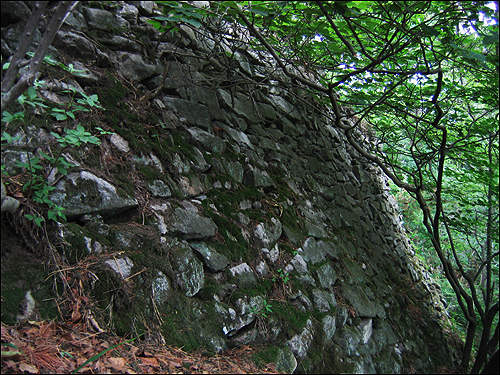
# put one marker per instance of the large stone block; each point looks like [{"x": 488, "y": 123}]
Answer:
[{"x": 85, "y": 193}]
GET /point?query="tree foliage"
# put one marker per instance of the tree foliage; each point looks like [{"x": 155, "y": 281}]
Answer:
[{"x": 423, "y": 77}]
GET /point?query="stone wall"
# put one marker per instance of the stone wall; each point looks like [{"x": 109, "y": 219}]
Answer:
[{"x": 224, "y": 209}]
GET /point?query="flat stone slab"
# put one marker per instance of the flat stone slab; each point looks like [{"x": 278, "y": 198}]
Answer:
[{"x": 84, "y": 193}]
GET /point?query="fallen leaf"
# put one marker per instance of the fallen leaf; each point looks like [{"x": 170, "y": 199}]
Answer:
[
  {"x": 31, "y": 330},
  {"x": 149, "y": 361},
  {"x": 117, "y": 363},
  {"x": 85, "y": 369},
  {"x": 47, "y": 330},
  {"x": 68, "y": 336},
  {"x": 100, "y": 366},
  {"x": 134, "y": 350},
  {"x": 28, "y": 368},
  {"x": 9, "y": 363},
  {"x": 175, "y": 364}
]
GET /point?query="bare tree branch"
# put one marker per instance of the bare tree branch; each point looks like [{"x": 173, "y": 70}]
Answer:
[
  {"x": 334, "y": 27},
  {"x": 24, "y": 44},
  {"x": 11, "y": 91}
]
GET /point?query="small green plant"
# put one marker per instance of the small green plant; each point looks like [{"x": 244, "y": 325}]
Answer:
[
  {"x": 62, "y": 114},
  {"x": 31, "y": 97},
  {"x": 6, "y": 137},
  {"x": 284, "y": 276},
  {"x": 76, "y": 137},
  {"x": 39, "y": 187},
  {"x": 50, "y": 61},
  {"x": 263, "y": 311}
]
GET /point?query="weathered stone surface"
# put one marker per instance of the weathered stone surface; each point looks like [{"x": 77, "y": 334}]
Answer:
[
  {"x": 100, "y": 19},
  {"x": 211, "y": 258},
  {"x": 240, "y": 137},
  {"x": 348, "y": 340},
  {"x": 242, "y": 108},
  {"x": 329, "y": 249},
  {"x": 161, "y": 288},
  {"x": 74, "y": 45},
  {"x": 208, "y": 141},
  {"x": 84, "y": 193},
  {"x": 268, "y": 233},
  {"x": 159, "y": 189},
  {"x": 329, "y": 327},
  {"x": 358, "y": 299},
  {"x": 257, "y": 177},
  {"x": 299, "y": 264},
  {"x": 191, "y": 114},
  {"x": 120, "y": 143},
  {"x": 243, "y": 314},
  {"x": 285, "y": 108},
  {"x": 190, "y": 186},
  {"x": 324, "y": 301},
  {"x": 286, "y": 361},
  {"x": 189, "y": 225},
  {"x": 299, "y": 344},
  {"x": 366, "y": 329},
  {"x": 326, "y": 276},
  {"x": 135, "y": 68},
  {"x": 311, "y": 252},
  {"x": 244, "y": 274},
  {"x": 189, "y": 271},
  {"x": 121, "y": 266},
  {"x": 9, "y": 204},
  {"x": 14, "y": 11},
  {"x": 129, "y": 12}
]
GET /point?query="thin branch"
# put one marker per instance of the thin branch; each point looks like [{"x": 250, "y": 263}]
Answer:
[
  {"x": 27, "y": 78},
  {"x": 335, "y": 28}
]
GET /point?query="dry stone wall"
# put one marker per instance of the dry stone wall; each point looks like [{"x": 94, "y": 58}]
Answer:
[{"x": 225, "y": 209}]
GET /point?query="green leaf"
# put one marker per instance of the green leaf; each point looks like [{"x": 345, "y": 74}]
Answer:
[
  {"x": 394, "y": 7},
  {"x": 490, "y": 39},
  {"x": 7, "y": 117},
  {"x": 339, "y": 8},
  {"x": 37, "y": 219},
  {"x": 429, "y": 30},
  {"x": 32, "y": 93},
  {"x": 60, "y": 116},
  {"x": 260, "y": 11},
  {"x": 474, "y": 56},
  {"x": 8, "y": 344},
  {"x": 52, "y": 215},
  {"x": 192, "y": 22},
  {"x": 156, "y": 24}
]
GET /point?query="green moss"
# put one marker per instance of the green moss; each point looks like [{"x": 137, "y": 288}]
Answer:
[
  {"x": 265, "y": 354},
  {"x": 21, "y": 272},
  {"x": 189, "y": 323},
  {"x": 296, "y": 319},
  {"x": 207, "y": 292},
  {"x": 258, "y": 289},
  {"x": 149, "y": 172}
]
